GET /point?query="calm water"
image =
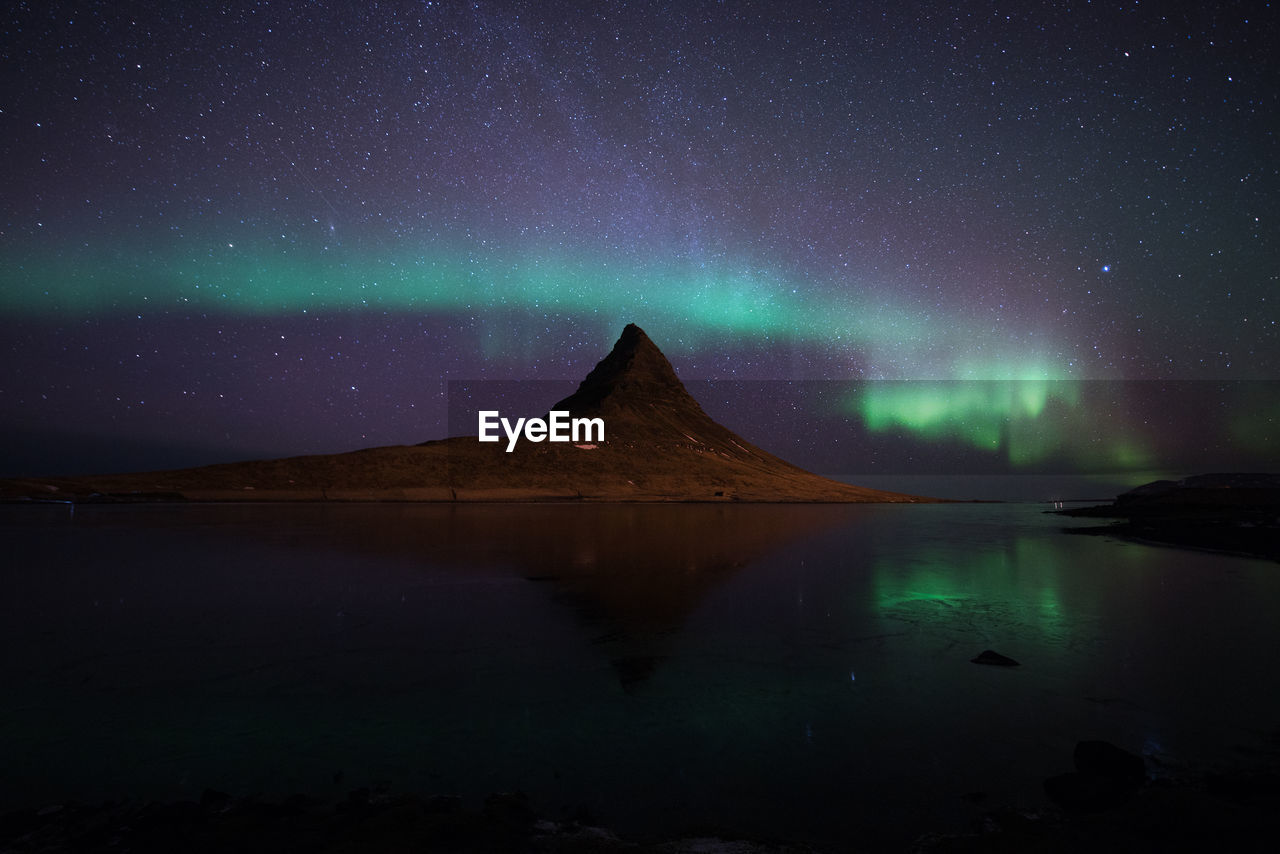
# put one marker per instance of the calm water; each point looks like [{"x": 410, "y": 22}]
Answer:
[{"x": 801, "y": 672}]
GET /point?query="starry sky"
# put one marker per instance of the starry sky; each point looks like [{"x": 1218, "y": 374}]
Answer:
[{"x": 273, "y": 228}]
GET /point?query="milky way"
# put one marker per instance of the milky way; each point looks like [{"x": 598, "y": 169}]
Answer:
[{"x": 284, "y": 227}]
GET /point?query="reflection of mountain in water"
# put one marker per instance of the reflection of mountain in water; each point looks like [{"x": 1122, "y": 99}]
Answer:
[
  {"x": 633, "y": 574},
  {"x": 630, "y": 573}
]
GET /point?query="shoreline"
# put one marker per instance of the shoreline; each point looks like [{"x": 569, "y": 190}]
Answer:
[
  {"x": 52, "y": 495},
  {"x": 484, "y": 499},
  {"x": 1236, "y": 809}
]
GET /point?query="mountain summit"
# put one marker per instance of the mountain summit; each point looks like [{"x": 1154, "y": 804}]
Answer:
[
  {"x": 658, "y": 446},
  {"x": 635, "y": 370},
  {"x": 636, "y": 391},
  {"x": 651, "y": 416}
]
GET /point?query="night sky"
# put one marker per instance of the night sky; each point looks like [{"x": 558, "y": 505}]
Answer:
[{"x": 273, "y": 228}]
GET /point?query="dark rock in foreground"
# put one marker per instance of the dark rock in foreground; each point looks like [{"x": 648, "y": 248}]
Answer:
[
  {"x": 1086, "y": 792},
  {"x": 368, "y": 821},
  {"x": 1106, "y": 777},
  {"x": 991, "y": 657},
  {"x": 1104, "y": 759}
]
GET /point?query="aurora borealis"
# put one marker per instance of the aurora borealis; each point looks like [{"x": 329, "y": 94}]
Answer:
[{"x": 281, "y": 228}]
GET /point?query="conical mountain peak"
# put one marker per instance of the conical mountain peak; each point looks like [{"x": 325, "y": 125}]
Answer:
[{"x": 635, "y": 370}]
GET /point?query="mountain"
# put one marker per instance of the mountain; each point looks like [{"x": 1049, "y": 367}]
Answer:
[
  {"x": 659, "y": 446},
  {"x": 637, "y": 393}
]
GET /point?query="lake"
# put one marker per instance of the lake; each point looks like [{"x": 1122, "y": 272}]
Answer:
[{"x": 797, "y": 672}]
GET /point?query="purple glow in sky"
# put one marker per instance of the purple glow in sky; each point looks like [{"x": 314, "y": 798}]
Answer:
[{"x": 277, "y": 228}]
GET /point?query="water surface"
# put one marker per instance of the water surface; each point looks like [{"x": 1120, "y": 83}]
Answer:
[{"x": 796, "y": 671}]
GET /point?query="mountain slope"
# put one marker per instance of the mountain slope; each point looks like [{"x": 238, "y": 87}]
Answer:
[{"x": 659, "y": 446}]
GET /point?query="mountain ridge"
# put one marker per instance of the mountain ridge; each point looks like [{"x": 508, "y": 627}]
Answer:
[{"x": 659, "y": 445}]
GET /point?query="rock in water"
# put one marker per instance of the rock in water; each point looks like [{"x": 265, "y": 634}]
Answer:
[
  {"x": 1086, "y": 792},
  {"x": 1104, "y": 759},
  {"x": 1105, "y": 777},
  {"x": 994, "y": 658}
]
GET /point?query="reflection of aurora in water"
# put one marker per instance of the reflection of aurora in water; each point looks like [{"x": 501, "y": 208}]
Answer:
[
  {"x": 646, "y": 662},
  {"x": 1015, "y": 589},
  {"x": 1011, "y": 585}
]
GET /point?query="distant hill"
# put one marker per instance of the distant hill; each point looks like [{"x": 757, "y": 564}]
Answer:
[
  {"x": 659, "y": 446},
  {"x": 1234, "y": 512}
]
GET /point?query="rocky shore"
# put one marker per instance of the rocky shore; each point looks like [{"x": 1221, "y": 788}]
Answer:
[
  {"x": 1113, "y": 800},
  {"x": 368, "y": 821}
]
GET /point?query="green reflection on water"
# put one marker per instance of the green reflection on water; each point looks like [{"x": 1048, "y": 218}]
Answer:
[{"x": 1014, "y": 585}]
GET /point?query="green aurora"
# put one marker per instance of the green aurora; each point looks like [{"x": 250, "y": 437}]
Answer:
[
  {"x": 1025, "y": 410},
  {"x": 698, "y": 302},
  {"x": 1025, "y": 423}
]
